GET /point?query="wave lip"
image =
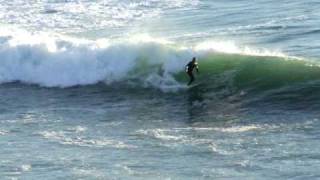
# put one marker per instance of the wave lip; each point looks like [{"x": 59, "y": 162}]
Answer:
[
  {"x": 230, "y": 47},
  {"x": 59, "y": 61},
  {"x": 64, "y": 62}
]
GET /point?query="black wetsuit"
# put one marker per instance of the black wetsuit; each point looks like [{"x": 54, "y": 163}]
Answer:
[{"x": 189, "y": 69}]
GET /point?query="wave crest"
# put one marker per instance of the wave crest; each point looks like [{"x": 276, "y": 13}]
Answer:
[{"x": 59, "y": 61}]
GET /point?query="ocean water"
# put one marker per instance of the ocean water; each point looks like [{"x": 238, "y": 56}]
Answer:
[{"x": 96, "y": 89}]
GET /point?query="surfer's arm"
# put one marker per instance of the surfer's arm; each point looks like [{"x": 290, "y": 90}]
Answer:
[{"x": 197, "y": 68}]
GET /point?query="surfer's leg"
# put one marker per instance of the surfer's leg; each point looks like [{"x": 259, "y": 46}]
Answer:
[{"x": 191, "y": 78}]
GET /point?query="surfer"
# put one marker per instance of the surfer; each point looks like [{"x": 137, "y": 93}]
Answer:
[{"x": 189, "y": 69}]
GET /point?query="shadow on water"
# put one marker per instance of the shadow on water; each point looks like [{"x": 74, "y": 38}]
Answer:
[
  {"x": 195, "y": 101},
  {"x": 206, "y": 105},
  {"x": 221, "y": 105}
]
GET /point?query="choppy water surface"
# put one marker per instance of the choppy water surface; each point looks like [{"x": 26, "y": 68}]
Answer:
[{"x": 96, "y": 90}]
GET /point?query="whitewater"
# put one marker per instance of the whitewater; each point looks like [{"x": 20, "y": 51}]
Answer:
[{"x": 97, "y": 89}]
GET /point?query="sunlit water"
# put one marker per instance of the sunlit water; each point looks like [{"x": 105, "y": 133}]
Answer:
[{"x": 89, "y": 90}]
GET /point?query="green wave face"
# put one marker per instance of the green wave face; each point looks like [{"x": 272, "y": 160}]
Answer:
[
  {"x": 252, "y": 72},
  {"x": 228, "y": 82}
]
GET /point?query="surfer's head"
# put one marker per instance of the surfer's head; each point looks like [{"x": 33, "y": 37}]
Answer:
[{"x": 194, "y": 59}]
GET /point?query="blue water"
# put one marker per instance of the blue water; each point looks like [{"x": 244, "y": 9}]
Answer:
[{"x": 96, "y": 89}]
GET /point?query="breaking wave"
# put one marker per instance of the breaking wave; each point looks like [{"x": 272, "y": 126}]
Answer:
[{"x": 58, "y": 61}]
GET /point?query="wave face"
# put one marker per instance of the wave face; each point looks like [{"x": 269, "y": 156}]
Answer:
[
  {"x": 257, "y": 73},
  {"x": 64, "y": 62},
  {"x": 258, "y": 82}
]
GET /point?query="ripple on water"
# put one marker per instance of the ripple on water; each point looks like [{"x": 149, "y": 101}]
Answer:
[
  {"x": 3, "y": 132},
  {"x": 178, "y": 137},
  {"x": 66, "y": 138}
]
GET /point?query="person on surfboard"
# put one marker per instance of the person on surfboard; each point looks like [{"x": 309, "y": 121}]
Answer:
[{"x": 189, "y": 69}]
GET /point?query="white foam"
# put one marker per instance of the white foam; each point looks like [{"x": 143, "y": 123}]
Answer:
[
  {"x": 67, "y": 139},
  {"x": 161, "y": 134},
  {"x": 3, "y": 132},
  {"x": 232, "y": 48},
  {"x": 88, "y": 173},
  {"x": 26, "y": 167},
  {"x": 78, "y": 129},
  {"x": 53, "y": 60},
  {"x": 112, "y": 124},
  {"x": 127, "y": 169},
  {"x": 172, "y": 138},
  {"x": 238, "y": 129},
  {"x": 232, "y": 129}
]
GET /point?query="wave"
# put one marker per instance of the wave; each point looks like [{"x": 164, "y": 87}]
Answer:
[
  {"x": 59, "y": 61},
  {"x": 64, "y": 62},
  {"x": 258, "y": 72}
]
